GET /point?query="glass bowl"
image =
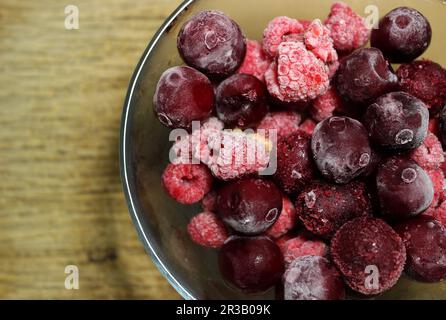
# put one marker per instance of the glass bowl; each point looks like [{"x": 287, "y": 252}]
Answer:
[{"x": 159, "y": 221}]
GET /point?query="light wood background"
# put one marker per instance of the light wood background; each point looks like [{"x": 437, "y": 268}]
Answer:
[{"x": 61, "y": 97}]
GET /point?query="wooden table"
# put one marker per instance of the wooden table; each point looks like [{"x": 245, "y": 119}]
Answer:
[{"x": 61, "y": 201}]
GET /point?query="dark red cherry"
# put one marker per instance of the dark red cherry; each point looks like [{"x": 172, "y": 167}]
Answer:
[
  {"x": 250, "y": 205},
  {"x": 442, "y": 125},
  {"x": 183, "y": 95},
  {"x": 241, "y": 101},
  {"x": 403, "y": 35},
  {"x": 212, "y": 43},
  {"x": 252, "y": 264}
]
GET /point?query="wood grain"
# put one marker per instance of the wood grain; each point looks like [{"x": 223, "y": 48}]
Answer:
[{"x": 61, "y": 97}]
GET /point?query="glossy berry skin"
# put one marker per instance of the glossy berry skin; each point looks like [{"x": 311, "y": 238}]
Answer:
[
  {"x": 425, "y": 241},
  {"x": 241, "y": 101},
  {"x": 403, "y": 35},
  {"x": 295, "y": 167},
  {"x": 365, "y": 75},
  {"x": 250, "y": 205},
  {"x": 313, "y": 278},
  {"x": 403, "y": 188},
  {"x": 182, "y": 95},
  {"x": 212, "y": 43},
  {"x": 442, "y": 125},
  {"x": 252, "y": 264},
  {"x": 397, "y": 121},
  {"x": 364, "y": 247},
  {"x": 341, "y": 149},
  {"x": 323, "y": 208}
]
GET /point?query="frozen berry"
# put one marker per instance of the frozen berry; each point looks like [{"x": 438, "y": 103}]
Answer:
[
  {"x": 437, "y": 178},
  {"x": 430, "y": 154},
  {"x": 365, "y": 75},
  {"x": 402, "y": 35},
  {"x": 286, "y": 220},
  {"x": 253, "y": 264},
  {"x": 250, "y": 205},
  {"x": 425, "y": 80},
  {"x": 313, "y": 278},
  {"x": 347, "y": 28},
  {"x": 425, "y": 241},
  {"x": 182, "y": 95},
  {"x": 209, "y": 201},
  {"x": 323, "y": 208},
  {"x": 397, "y": 121},
  {"x": 187, "y": 183},
  {"x": 317, "y": 39},
  {"x": 442, "y": 125},
  {"x": 241, "y": 101},
  {"x": 369, "y": 254},
  {"x": 438, "y": 213},
  {"x": 325, "y": 105},
  {"x": 295, "y": 168},
  {"x": 276, "y": 32},
  {"x": 256, "y": 62},
  {"x": 284, "y": 122},
  {"x": 404, "y": 189},
  {"x": 341, "y": 148},
  {"x": 297, "y": 75},
  {"x": 303, "y": 245},
  {"x": 308, "y": 126},
  {"x": 207, "y": 230},
  {"x": 212, "y": 43}
]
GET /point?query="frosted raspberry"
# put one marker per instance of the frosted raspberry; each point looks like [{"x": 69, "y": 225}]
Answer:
[
  {"x": 333, "y": 68},
  {"x": 317, "y": 39},
  {"x": 305, "y": 23},
  {"x": 308, "y": 126},
  {"x": 209, "y": 201},
  {"x": 281, "y": 242},
  {"x": 303, "y": 245},
  {"x": 207, "y": 230},
  {"x": 285, "y": 122},
  {"x": 324, "y": 105},
  {"x": 256, "y": 62},
  {"x": 298, "y": 75},
  {"x": 186, "y": 183},
  {"x": 348, "y": 29},
  {"x": 430, "y": 154},
  {"x": 286, "y": 221},
  {"x": 274, "y": 33},
  {"x": 438, "y": 213},
  {"x": 437, "y": 178}
]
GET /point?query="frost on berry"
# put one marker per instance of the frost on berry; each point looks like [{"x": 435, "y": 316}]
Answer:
[
  {"x": 430, "y": 154},
  {"x": 284, "y": 122},
  {"x": 317, "y": 39},
  {"x": 277, "y": 31},
  {"x": 303, "y": 245},
  {"x": 207, "y": 230},
  {"x": 256, "y": 62},
  {"x": 308, "y": 126},
  {"x": 286, "y": 221},
  {"x": 325, "y": 105}
]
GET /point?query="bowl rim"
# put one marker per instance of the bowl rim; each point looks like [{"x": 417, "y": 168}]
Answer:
[{"x": 184, "y": 292}]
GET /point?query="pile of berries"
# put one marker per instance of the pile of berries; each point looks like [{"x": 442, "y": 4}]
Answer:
[{"x": 314, "y": 173}]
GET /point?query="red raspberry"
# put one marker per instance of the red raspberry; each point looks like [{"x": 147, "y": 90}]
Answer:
[
  {"x": 324, "y": 105},
  {"x": 285, "y": 122},
  {"x": 275, "y": 32},
  {"x": 317, "y": 39},
  {"x": 437, "y": 178},
  {"x": 298, "y": 75},
  {"x": 440, "y": 214},
  {"x": 281, "y": 242},
  {"x": 348, "y": 29},
  {"x": 333, "y": 68},
  {"x": 308, "y": 126},
  {"x": 207, "y": 230},
  {"x": 256, "y": 62},
  {"x": 303, "y": 245},
  {"x": 209, "y": 201},
  {"x": 425, "y": 80},
  {"x": 305, "y": 23},
  {"x": 286, "y": 221},
  {"x": 186, "y": 183},
  {"x": 430, "y": 154}
]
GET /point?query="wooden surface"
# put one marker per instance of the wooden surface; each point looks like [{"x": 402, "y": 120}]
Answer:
[{"x": 61, "y": 97}]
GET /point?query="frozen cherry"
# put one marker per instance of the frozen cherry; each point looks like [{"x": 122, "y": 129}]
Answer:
[
  {"x": 250, "y": 205},
  {"x": 212, "y": 43},
  {"x": 403, "y": 35},
  {"x": 313, "y": 278},
  {"x": 183, "y": 95},
  {"x": 241, "y": 101},
  {"x": 397, "y": 121},
  {"x": 403, "y": 188},
  {"x": 442, "y": 125},
  {"x": 341, "y": 148},
  {"x": 253, "y": 264},
  {"x": 295, "y": 167},
  {"x": 323, "y": 208},
  {"x": 369, "y": 254},
  {"x": 425, "y": 241},
  {"x": 365, "y": 75}
]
